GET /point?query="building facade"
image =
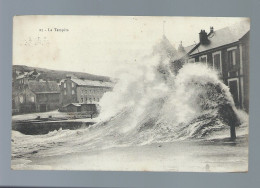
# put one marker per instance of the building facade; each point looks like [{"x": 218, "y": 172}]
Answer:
[
  {"x": 74, "y": 90},
  {"x": 30, "y": 95},
  {"x": 226, "y": 51},
  {"x": 21, "y": 78}
]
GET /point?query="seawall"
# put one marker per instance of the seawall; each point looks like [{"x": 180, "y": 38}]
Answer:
[{"x": 44, "y": 127}]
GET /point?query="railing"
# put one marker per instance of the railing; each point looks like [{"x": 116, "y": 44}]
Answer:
[{"x": 84, "y": 114}]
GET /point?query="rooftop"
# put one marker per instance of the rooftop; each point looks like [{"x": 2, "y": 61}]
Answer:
[
  {"x": 81, "y": 82},
  {"x": 223, "y": 37},
  {"x": 44, "y": 87},
  {"x": 32, "y": 74}
]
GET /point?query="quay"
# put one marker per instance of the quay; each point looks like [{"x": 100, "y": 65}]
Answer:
[{"x": 39, "y": 126}]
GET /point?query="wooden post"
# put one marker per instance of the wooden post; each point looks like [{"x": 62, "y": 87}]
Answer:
[{"x": 233, "y": 132}]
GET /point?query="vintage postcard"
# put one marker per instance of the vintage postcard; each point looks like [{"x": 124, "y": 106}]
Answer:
[{"x": 127, "y": 93}]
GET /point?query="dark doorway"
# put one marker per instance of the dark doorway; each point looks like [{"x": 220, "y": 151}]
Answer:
[
  {"x": 43, "y": 108},
  {"x": 233, "y": 85}
]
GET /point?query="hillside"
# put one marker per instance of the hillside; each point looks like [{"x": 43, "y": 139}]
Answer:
[{"x": 47, "y": 74}]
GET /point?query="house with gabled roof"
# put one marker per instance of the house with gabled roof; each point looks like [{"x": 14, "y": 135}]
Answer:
[
  {"x": 75, "y": 90},
  {"x": 226, "y": 51},
  {"x": 21, "y": 78},
  {"x": 35, "y": 96}
]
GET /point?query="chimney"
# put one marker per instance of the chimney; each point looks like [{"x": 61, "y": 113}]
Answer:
[
  {"x": 181, "y": 48},
  {"x": 203, "y": 37}
]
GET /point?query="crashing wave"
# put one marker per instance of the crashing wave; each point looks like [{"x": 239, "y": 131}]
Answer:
[{"x": 149, "y": 104}]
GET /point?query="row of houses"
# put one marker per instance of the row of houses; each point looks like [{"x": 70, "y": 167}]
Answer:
[
  {"x": 225, "y": 50},
  {"x": 31, "y": 94}
]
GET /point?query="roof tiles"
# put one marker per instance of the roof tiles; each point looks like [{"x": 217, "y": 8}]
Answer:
[
  {"x": 81, "y": 82},
  {"x": 44, "y": 87},
  {"x": 223, "y": 37}
]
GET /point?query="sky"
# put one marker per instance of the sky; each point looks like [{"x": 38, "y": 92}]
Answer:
[{"x": 100, "y": 45}]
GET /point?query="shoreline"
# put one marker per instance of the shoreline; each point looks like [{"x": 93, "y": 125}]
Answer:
[{"x": 184, "y": 156}]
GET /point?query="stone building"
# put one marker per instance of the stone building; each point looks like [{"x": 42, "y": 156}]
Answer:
[
  {"x": 74, "y": 90},
  {"x": 22, "y": 78},
  {"x": 35, "y": 96}
]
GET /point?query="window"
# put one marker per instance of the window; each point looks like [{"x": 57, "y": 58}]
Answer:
[
  {"x": 233, "y": 67},
  {"x": 81, "y": 99},
  {"x": 65, "y": 84},
  {"x": 203, "y": 59},
  {"x": 192, "y": 60},
  {"x": 231, "y": 58},
  {"x": 217, "y": 62},
  {"x": 72, "y": 84},
  {"x": 32, "y": 99},
  {"x": 72, "y": 92},
  {"x": 65, "y": 93},
  {"x": 21, "y": 99}
]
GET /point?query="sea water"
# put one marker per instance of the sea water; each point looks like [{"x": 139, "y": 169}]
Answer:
[{"x": 153, "y": 120}]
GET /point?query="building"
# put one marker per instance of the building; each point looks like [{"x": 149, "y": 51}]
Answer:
[
  {"x": 21, "y": 78},
  {"x": 86, "y": 109},
  {"x": 227, "y": 51},
  {"x": 74, "y": 90},
  {"x": 35, "y": 96},
  {"x": 30, "y": 95},
  {"x": 72, "y": 107}
]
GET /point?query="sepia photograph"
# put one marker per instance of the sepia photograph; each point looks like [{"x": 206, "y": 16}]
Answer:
[{"x": 130, "y": 93}]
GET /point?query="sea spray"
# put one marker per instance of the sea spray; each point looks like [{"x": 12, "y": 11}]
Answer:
[
  {"x": 135, "y": 88},
  {"x": 149, "y": 104},
  {"x": 192, "y": 109},
  {"x": 161, "y": 106}
]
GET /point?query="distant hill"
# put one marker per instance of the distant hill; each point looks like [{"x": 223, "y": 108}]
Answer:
[{"x": 47, "y": 74}]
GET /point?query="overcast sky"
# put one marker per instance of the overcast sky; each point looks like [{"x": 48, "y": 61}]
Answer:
[{"x": 97, "y": 44}]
